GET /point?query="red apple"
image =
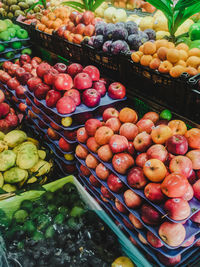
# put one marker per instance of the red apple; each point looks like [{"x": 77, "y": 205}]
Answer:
[
  {"x": 100, "y": 87},
  {"x": 51, "y": 133},
  {"x": 25, "y": 77},
  {"x": 177, "y": 144},
  {"x": 110, "y": 113},
  {"x": 82, "y": 135},
  {"x": 172, "y": 234},
  {"x": 106, "y": 193},
  {"x": 5, "y": 77},
  {"x": 135, "y": 221},
  {"x": 132, "y": 200},
  {"x": 105, "y": 153},
  {"x": 52, "y": 97},
  {"x": 102, "y": 172},
  {"x": 92, "y": 144},
  {"x": 64, "y": 145},
  {"x": 4, "y": 125},
  {"x": 84, "y": 170},
  {"x": 92, "y": 125},
  {"x": 87, "y": 18},
  {"x": 13, "y": 83},
  {"x": 4, "y": 109},
  {"x": 116, "y": 90},
  {"x": 114, "y": 124},
  {"x": 189, "y": 242},
  {"x": 94, "y": 181},
  {"x": 89, "y": 30},
  {"x": 194, "y": 156},
  {"x": 75, "y": 95},
  {"x": 2, "y": 96},
  {"x": 66, "y": 105},
  {"x": 189, "y": 194},
  {"x": 19, "y": 73},
  {"x": 50, "y": 76},
  {"x": 122, "y": 162},
  {"x": 28, "y": 67},
  {"x": 129, "y": 130},
  {"x": 93, "y": 72},
  {"x": 145, "y": 125},
  {"x": 12, "y": 70},
  {"x": 120, "y": 207},
  {"x": 42, "y": 69},
  {"x": 196, "y": 188},
  {"x": 82, "y": 81},
  {"x": 20, "y": 91},
  {"x": 91, "y": 98},
  {"x": 81, "y": 152},
  {"x": 118, "y": 143},
  {"x": 181, "y": 164},
  {"x": 22, "y": 107},
  {"x": 169, "y": 261},
  {"x": 136, "y": 178},
  {"x": 157, "y": 152},
  {"x": 63, "y": 82},
  {"x": 154, "y": 193},
  {"x": 177, "y": 209},
  {"x": 7, "y": 65},
  {"x": 32, "y": 82},
  {"x": 74, "y": 68},
  {"x": 142, "y": 141},
  {"x": 24, "y": 58},
  {"x": 153, "y": 116},
  {"x": 153, "y": 240},
  {"x": 196, "y": 217},
  {"x": 60, "y": 67},
  {"x": 141, "y": 159},
  {"x": 114, "y": 183},
  {"x": 12, "y": 120},
  {"x": 131, "y": 149},
  {"x": 150, "y": 215},
  {"x": 41, "y": 90}
]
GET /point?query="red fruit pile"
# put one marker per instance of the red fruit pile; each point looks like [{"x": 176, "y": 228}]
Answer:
[{"x": 160, "y": 158}]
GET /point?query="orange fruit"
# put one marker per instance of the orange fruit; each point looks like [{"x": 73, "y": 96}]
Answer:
[
  {"x": 194, "y": 52},
  {"x": 145, "y": 60},
  {"x": 44, "y": 20},
  {"x": 49, "y": 24},
  {"x": 173, "y": 55},
  {"x": 170, "y": 45},
  {"x": 141, "y": 48},
  {"x": 40, "y": 27},
  {"x": 149, "y": 48},
  {"x": 181, "y": 63},
  {"x": 165, "y": 67},
  {"x": 193, "y": 61},
  {"x": 162, "y": 53},
  {"x": 191, "y": 71},
  {"x": 182, "y": 46},
  {"x": 183, "y": 54},
  {"x": 161, "y": 43},
  {"x": 135, "y": 57},
  {"x": 155, "y": 63},
  {"x": 176, "y": 71},
  {"x": 51, "y": 16}
]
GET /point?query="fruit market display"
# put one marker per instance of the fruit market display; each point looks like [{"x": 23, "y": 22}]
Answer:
[
  {"x": 148, "y": 168},
  {"x": 132, "y": 4},
  {"x": 55, "y": 228}
]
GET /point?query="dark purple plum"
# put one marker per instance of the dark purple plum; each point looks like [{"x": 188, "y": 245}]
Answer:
[
  {"x": 120, "y": 25},
  {"x": 91, "y": 41},
  {"x": 118, "y": 46},
  {"x": 108, "y": 31},
  {"x": 134, "y": 41},
  {"x": 99, "y": 27},
  {"x": 120, "y": 34},
  {"x": 98, "y": 41},
  {"x": 144, "y": 37},
  {"x": 131, "y": 27},
  {"x": 107, "y": 46},
  {"x": 151, "y": 34}
]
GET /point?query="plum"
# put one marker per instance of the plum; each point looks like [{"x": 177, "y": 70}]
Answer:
[
  {"x": 134, "y": 41},
  {"x": 151, "y": 34},
  {"x": 131, "y": 27},
  {"x": 85, "y": 40},
  {"x": 107, "y": 46},
  {"x": 99, "y": 28},
  {"x": 108, "y": 31},
  {"x": 98, "y": 41},
  {"x": 120, "y": 24},
  {"x": 120, "y": 34},
  {"x": 143, "y": 36},
  {"x": 91, "y": 41},
  {"x": 118, "y": 46}
]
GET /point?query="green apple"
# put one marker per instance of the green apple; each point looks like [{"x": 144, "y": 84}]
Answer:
[
  {"x": 13, "y": 8},
  {"x": 2, "y": 48},
  {"x": 26, "y": 51},
  {"x": 16, "y": 45},
  {"x": 22, "y": 34},
  {"x": 8, "y": 22},
  {"x": 16, "y": 27},
  {"x": 9, "y": 55},
  {"x": 166, "y": 115},
  {"x": 10, "y": 15},
  {"x": 5, "y": 36},
  {"x": 12, "y": 32},
  {"x": 3, "y": 26}
]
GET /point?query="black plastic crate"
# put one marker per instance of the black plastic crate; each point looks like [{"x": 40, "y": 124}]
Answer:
[
  {"x": 68, "y": 50},
  {"x": 107, "y": 63},
  {"x": 20, "y": 22},
  {"x": 161, "y": 88},
  {"x": 192, "y": 104}
]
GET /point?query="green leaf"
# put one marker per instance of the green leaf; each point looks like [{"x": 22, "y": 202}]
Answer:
[
  {"x": 96, "y": 5},
  {"x": 86, "y": 4},
  {"x": 164, "y": 5},
  {"x": 44, "y": 3},
  {"x": 74, "y": 4},
  {"x": 182, "y": 4},
  {"x": 189, "y": 12}
]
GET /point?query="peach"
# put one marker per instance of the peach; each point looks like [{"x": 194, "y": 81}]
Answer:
[
  {"x": 146, "y": 60},
  {"x": 105, "y": 153},
  {"x": 170, "y": 45},
  {"x": 135, "y": 221},
  {"x": 141, "y": 49},
  {"x": 165, "y": 67},
  {"x": 102, "y": 172},
  {"x": 193, "y": 138},
  {"x": 183, "y": 55},
  {"x": 91, "y": 161},
  {"x": 176, "y": 71},
  {"x": 161, "y": 133},
  {"x": 177, "y": 127},
  {"x": 149, "y": 48},
  {"x": 129, "y": 130},
  {"x": 92, "y": 144},
  {"x": 81, "y": 152},
  {"x": 161, "y": 43},
  {"x": 103, "y": 135},
  {"x": 181, "y": 63},
  {"x": 128, "y": 115},
  {"x": 193, "y": 61},
  {"x": 154, "y": 170},
  {"x": 194, "y": 52},
  {"x": 182, "y": 46},
  {"x": 155, "y": 63},
  {"x": 135, "y": 57},
  {"x": 173, "y": 55},
  {"x": 132, "y": 200},
  {"x": 191, "y": 71},
  {"x": 162, "y": 53}
]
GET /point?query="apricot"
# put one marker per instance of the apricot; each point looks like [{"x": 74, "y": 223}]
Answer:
[
  {"x": 173, "y": 55},
  {"x": 155, "y": 63},
  {"x": 141, "y": 48},
  {"x": 194, "y": 52},
  {"x": 182, "y": 46},
  {"x": 139, "y": 53},
  {"x": 170, "y": 45},
  {"x": 183, "y": 54},
  {"x": 145, "y": 60},
  {"x": 49, "y": 24},
  {"x": 161, "y": 43},
  {"x": 55, "y": 25},
  {"x": 128, "y": 115},
  {"x": 149, "y": 48},
  {"x": 135, "y": 57},
  {"x": 193, "y": 61},
  {"x": 162, "y": 53},
  {"x": 44, "y": 20},
  {"x": 51, "y": 16},
  {"x": 191, "y": 71},
  {"x": 165, "y": 67},
  {"x": 40, "y": 27},
  {"x": 176, "y": 71},
  {"x": 181, "y": 63}
]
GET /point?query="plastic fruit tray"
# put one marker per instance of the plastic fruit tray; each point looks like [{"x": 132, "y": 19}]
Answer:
[
  {"x": 109, "y": 207},
  {"x": 10, "y": 49},
  {"x": 2, "y": 59},
  {"x": 14, "y": 40},
  {"x": 190, "y": 227}
]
